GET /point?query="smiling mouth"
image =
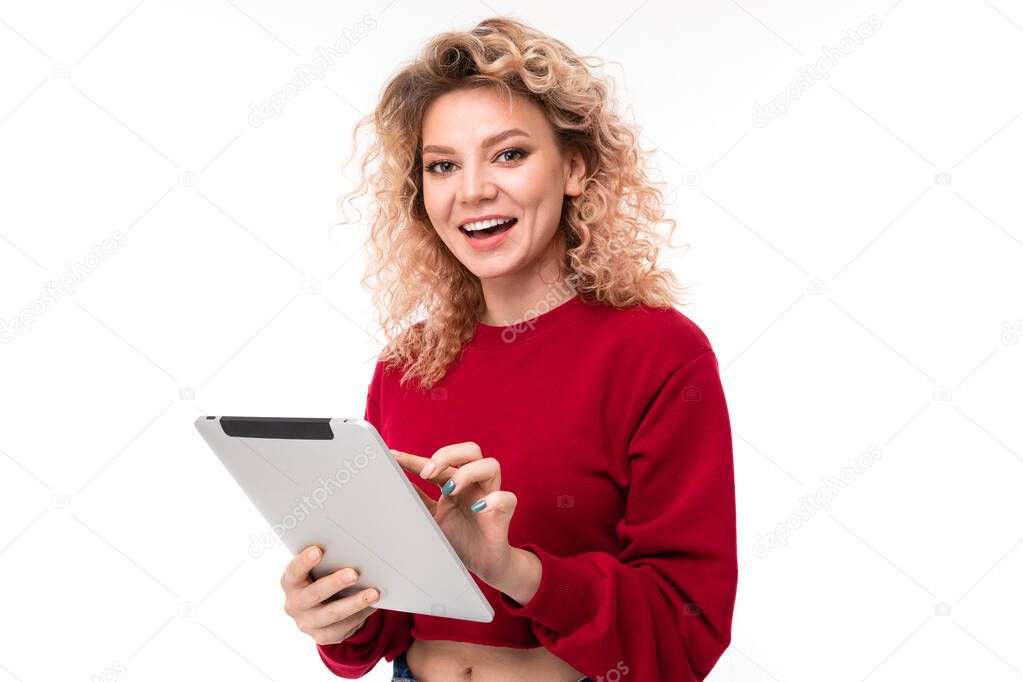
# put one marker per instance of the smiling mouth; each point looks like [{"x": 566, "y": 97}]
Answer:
[{"x": 490, "y": 231}]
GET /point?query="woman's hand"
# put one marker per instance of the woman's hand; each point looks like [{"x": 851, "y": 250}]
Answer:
[
  {"x": 306, "y": 600},
  {"x": 479, "y": 537}
]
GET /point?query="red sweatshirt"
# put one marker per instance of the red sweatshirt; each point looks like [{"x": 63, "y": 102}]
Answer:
[{"x": 611, "y": 428}]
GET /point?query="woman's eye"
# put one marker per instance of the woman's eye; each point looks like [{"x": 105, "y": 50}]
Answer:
[
  {"x": 513, "y": 151},
  {"x": 430, "y": 168}
]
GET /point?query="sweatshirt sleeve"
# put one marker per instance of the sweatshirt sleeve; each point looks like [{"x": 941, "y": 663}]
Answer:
[
  {"x": 386, "y": 633},
  {"x": 662, "y": 608}
]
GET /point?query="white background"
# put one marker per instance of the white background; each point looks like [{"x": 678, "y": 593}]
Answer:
[{"x": 855, "y": 263}]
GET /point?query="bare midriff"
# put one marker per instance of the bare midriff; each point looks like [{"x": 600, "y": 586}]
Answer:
[{"x": 442, "y": 660}]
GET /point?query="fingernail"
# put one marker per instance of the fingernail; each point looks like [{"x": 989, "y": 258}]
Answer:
[
  {"x": 427, "y": 470},
  {"x": 370, "y": 596},
  {"x": 477, "y": 506},
  {"x": 350, "y": 575},
  {"x": 314, "y": 555},
  {"x": 448, "y": 487}
]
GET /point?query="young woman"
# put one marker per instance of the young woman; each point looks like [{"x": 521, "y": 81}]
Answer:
[{"x": 571, "y": 419}]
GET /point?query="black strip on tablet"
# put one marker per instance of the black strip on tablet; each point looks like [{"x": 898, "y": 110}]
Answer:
[{"x": 313, "y": 428}]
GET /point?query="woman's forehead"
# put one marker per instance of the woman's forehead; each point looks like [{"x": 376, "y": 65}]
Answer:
[{"x": 473, "y": 117}]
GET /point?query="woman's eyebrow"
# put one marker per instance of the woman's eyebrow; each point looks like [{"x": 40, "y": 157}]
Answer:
[{"x": 487, "y": 143}]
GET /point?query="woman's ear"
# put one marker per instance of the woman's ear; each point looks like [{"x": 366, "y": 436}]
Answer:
[{"x": 575, "y": 172}]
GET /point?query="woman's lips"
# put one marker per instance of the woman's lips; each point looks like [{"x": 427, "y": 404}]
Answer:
[{"x": 491, "y": 242}]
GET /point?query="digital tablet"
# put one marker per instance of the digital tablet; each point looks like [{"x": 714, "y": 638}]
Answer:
[{"x": 333, "y": 482}]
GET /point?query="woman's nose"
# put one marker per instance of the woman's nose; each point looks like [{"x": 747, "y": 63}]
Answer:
[{"x": 475, "y": 185}]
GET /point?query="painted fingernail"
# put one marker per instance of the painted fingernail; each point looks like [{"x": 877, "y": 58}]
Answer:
[
  {"x": 448, "y": 487},
  {"x": 478, "y": 505},
  {"x": 427, "y": 470}
]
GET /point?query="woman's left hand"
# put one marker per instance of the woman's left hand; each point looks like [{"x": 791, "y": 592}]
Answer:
[{"x": 479, "y": 537}]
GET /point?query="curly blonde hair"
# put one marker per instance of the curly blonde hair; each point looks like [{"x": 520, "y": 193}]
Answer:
[{"x": 608, "y": 233}]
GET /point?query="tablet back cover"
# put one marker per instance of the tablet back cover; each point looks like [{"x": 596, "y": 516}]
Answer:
[{"x": 334, "y": 483}]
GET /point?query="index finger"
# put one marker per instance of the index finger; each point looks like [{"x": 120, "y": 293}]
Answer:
[
  {"x": 297, "y": 572},
  {"x": 444, "y": 461},
  {"x": 415, "y": 464}
]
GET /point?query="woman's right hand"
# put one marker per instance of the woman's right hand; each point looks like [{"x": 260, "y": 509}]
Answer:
[{"x": 331, "y": 622}]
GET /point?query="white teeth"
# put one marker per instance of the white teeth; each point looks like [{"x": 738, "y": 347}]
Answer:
[{"x": 484, "y": 224}]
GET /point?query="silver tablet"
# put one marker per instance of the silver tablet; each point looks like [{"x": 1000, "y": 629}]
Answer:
[{"x": 334, "y": 483}]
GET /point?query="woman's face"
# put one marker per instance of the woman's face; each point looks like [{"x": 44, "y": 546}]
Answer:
[{"x": 482, "y": 157}]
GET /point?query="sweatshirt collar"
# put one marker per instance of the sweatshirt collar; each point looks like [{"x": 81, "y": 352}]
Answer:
[{"x": 491, "y": 336}]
